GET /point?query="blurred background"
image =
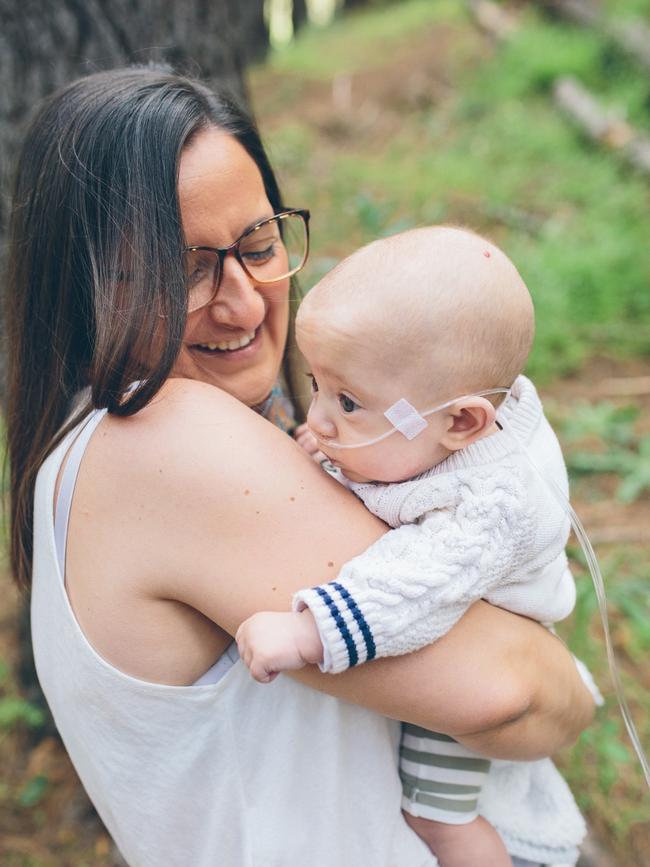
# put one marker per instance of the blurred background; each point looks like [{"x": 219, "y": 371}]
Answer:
[{"x": 528, "y": 121}]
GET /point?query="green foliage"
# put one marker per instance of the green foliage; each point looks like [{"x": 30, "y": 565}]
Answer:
[
  {"x": 541, "y": 52},
  {"x": 33, "y": 791},
  {"x": 607, "y": 443},
  {"x": 632, "y": 465},
  {"x": 603, "y": 420},
  {"x": 17, "y": 711},
  {"x": 602, "y": 768}
]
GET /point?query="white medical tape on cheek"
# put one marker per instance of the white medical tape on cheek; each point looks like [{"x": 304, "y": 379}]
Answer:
[{"x": 406, "y": 419}]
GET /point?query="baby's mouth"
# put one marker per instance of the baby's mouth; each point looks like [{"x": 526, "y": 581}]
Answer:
[{"x": 227, "y": 345}]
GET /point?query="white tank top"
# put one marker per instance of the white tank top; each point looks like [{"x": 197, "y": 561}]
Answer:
[{"x": 228, "y": 774}]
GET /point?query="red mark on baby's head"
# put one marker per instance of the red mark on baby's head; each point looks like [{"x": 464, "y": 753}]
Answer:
[{"x": 487, "y": 254}]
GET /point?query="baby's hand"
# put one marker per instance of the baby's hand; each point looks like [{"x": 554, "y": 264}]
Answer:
[
  {"x": 307, "y": 441},
  {"x": 274, "y": 641}
]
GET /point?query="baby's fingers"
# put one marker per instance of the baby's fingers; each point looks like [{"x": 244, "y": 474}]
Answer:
[
  {"x": 306, "y": 440},
  {"x": 261, "y": 674}
]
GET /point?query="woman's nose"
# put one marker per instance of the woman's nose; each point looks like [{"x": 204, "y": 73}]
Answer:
[
  {"x": 238, "y": 302},
  {"x": 319, "y": 422}
]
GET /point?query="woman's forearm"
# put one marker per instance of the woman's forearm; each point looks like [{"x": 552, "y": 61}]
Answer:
[
  {"x": 549, "y": 702},
  {"x": 499, "y": 683}
]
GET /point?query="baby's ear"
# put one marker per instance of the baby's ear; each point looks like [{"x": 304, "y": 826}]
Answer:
[{"x": 469, "y": 420}]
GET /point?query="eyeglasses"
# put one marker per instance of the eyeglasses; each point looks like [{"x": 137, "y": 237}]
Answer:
[{"x": 269, "y": 251}]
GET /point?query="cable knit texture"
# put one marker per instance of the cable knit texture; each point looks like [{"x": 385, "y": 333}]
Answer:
[{"x": 482, "y": 524}]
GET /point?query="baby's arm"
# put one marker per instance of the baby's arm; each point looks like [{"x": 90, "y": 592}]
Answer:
[
  {"x": 407, "y": 590},
  {"x": 412, "y": 585}
]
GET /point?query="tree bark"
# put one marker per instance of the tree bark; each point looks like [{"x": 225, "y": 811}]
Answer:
[
  {"x": 298, "y": 14},
  {"x": 602, "y": 126},
  {"x": 43, "y": 45}
]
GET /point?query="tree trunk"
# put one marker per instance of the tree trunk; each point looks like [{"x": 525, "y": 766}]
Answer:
[
  {"x": 43, "y": 45},
  {"x": 298, "y": 14}
]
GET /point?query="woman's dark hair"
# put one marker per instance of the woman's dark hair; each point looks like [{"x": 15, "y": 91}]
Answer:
[{"x": 95, "y": 274}]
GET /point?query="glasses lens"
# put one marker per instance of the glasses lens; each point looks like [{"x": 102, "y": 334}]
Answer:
[
  {"x": 201, "y": 277},
  {"x": 276, "y": 249}
]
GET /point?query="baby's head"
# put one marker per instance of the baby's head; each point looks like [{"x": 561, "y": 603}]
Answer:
[{"x": 428, "y": 315}]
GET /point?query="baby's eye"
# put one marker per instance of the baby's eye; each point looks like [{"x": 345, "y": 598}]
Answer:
[
  {"x": 314, "y": 384},
  {"x": 347, "y": 404}
]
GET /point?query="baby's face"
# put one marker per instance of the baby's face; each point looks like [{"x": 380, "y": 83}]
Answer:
[{"x": 351, "y": 390}]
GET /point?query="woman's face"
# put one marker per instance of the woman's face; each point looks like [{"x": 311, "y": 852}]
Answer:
[{"x": 221, "y": 194}]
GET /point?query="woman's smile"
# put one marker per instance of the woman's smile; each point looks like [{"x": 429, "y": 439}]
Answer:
[
  {"x": 232, "y": 345},
  {"x": 237, "y": 340}
]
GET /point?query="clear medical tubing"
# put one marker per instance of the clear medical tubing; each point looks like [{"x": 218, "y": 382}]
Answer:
[
  {"x": 405, "y": 419},
  {"x": 412, "y": 415},
  {"x": 599, "y": 586}
]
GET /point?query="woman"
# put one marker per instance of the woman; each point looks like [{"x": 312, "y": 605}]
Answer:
[{"x": 190, "y": 512}]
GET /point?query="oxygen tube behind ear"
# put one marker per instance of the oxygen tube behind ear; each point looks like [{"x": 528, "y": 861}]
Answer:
[
  {"x": 599, "y": 586},
  {"x": 405, "y": 419}
]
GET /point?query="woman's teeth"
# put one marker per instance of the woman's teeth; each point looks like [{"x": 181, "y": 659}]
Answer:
[{"x": 229, "y": 345}]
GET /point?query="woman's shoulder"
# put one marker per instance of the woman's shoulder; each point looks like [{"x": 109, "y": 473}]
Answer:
[
  {"x": 183, "y": 403},
  {"x": 189, "y": 426},
  {"x": 195, "y": 456}
]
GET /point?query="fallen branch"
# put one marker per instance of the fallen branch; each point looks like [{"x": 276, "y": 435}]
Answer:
[
  {"x": 492, "y": 19},
  {"x": 579, "y": 11},
  {"x": 632, "y": 37},
  {"x": 605, "y": 127}
]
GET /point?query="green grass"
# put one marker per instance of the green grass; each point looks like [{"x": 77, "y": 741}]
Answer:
[
  {"x": 359, "y": 41},
  {"x": 497, "y": 155},
  {"x": 602, "y": 768}
]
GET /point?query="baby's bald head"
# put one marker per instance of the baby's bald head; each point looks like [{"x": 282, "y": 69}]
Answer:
[{"x": 440, "y": 308}]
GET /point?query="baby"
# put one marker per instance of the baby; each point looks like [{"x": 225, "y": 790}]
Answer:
[{"x": 416, "y": 345}]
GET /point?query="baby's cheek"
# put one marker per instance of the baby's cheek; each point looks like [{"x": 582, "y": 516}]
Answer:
[
  {"x": 403, "y": 461},
  {"x": 386, "y": 467}
]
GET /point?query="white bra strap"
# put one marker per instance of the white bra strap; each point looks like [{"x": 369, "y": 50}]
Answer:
[{"x": 68, "y": 481}]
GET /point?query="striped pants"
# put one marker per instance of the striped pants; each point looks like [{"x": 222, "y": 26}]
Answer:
[{"x": 441, "y": 780}]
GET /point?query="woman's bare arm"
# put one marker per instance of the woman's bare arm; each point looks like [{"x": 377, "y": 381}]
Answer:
[
  {"x": 499, "y": 683},
  {"x": 238, "y": 518}
]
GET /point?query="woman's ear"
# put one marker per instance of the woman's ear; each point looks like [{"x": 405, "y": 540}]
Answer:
[{"x": 469, "y": 420}]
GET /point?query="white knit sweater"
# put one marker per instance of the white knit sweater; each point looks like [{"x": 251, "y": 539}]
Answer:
[{"x": 482, "y": 524}]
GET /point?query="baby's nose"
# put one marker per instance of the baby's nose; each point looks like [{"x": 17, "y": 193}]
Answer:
[{"x": 319, "y": 423}]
